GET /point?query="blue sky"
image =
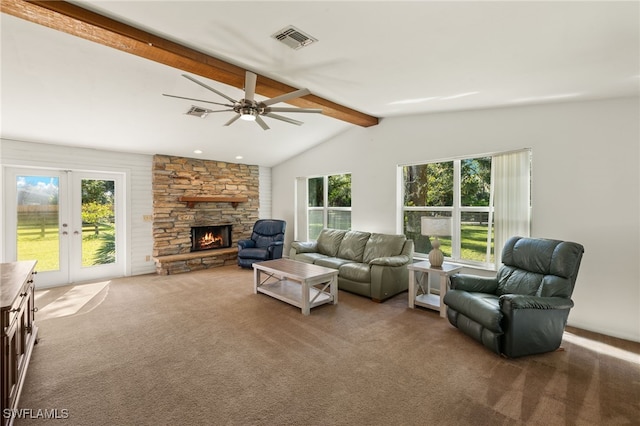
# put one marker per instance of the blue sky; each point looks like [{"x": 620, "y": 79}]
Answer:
[{"x": 38, "y": 184}]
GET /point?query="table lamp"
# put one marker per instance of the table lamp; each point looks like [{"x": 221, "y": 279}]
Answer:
[{"x": 435, "y": 227}]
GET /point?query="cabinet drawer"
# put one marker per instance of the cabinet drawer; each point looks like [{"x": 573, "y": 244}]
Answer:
[{"x": 19, "y": 305}]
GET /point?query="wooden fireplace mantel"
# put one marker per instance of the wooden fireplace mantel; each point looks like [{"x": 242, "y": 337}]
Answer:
[{"x": 192, "y": 200}]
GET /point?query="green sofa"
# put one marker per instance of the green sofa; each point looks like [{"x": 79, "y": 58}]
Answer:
[{"x": 368, "y": 264}]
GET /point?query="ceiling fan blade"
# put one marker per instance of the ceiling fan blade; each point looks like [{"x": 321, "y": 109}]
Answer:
[
  {"x": 228, "y": 123},
  {"x": 261, "y": 122},
  {"x": 197, "y": 100},
  {"x": 287, "y": 119},
  {"x": 285, "y": 109},
  {"x": 209, "y": 87},
  {"x": 286, "y": 97},
  {"x": 250, "y": 86}
]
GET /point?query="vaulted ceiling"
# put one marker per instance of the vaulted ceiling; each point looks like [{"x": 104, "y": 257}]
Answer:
[{"x": 97, "y": 77}]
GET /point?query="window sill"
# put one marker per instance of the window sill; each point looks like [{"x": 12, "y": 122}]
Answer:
[{"x": 468, "y": 267}]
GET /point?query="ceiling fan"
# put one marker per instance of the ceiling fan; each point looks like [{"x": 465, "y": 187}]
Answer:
[{"x": 248, "y": 108}]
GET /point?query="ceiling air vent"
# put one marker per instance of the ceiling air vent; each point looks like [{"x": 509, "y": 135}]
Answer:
[
  {"x": 197, "y": 112},
  {"x": 293, "y": 37}
]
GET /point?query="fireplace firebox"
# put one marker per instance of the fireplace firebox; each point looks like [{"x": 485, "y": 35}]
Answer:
[{"x": 210, "y": 237}]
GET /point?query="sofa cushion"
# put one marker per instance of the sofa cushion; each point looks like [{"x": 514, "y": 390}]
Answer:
[
  {"x": 305, "y": 246},
  {"x": 512, "y": 280},
  {"x": 352, "y": 245},
  {"x": 332, "y": 262},
  {"x": 360, "y": 272},
  {"x": 329, "y": 241},
  {"x": 530, "y": 254},
  {"x": 482, "y": 308},
  {"x": 554, "y": 286},
  {"x": 383, "y": 245},
  {"x": 255, "y": 253},
  {"x": 309, "y": 257}
]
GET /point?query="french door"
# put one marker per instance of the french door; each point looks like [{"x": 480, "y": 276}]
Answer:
[{"x": 71, "y": 222}]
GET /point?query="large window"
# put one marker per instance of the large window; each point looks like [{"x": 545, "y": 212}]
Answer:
[
  {"x": 329, "y": 203},
  {"x": 462, "y": 190}
]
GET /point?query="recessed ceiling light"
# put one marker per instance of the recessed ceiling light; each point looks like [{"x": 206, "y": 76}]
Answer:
[
  {"x": 197, "y": 151},
  {"x": 239, "y": 157}
]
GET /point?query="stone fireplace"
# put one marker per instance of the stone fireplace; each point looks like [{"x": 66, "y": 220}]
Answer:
[{"x": 191, "y": 193}]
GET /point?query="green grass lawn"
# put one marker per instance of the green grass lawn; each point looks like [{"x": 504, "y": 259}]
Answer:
[
  {"x": 473, "y": 245},
  {"x": 43, "y": 247}
]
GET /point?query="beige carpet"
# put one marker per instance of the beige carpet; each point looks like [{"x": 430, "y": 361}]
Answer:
[{"x": 202, "y": 349}]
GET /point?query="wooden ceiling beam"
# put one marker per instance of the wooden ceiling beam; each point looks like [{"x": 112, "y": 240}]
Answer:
[{"x": 80, "y": 22}]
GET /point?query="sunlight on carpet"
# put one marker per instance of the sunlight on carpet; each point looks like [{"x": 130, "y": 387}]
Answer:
[
  {"x": 71, "y": 302},
  {"x": 602, "y": 348}
]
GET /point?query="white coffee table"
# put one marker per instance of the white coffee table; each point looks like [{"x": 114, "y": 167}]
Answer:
[{"x": 296, "y": 283}]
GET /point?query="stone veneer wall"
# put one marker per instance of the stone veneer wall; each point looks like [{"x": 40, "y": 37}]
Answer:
[{"x": 174, "y": 177}]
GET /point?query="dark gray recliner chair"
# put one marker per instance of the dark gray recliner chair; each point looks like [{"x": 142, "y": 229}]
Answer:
[
  {"x": 266, "y": 243},
  {"x": 524, "y": 309}
]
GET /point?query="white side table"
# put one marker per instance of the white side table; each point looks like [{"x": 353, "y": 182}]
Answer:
[{"x": 428, "y": 300}]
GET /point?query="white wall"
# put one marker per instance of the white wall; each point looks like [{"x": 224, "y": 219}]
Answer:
[
  {"x": 137, "y": 169},
  {"x": 585, "y": 185},
  {"x": 264, "y": 212}
]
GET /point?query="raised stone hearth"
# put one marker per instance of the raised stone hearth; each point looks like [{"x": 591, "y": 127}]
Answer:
[{"x": 226, "y": 193}]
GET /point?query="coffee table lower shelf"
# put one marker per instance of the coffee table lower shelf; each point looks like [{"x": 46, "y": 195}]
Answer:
[{"x": 291, "y": 292}]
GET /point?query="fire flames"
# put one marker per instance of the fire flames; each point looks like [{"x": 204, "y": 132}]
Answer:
[{"x": 210, "y": 240}]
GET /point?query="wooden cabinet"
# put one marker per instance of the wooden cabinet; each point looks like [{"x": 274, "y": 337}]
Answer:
[{"x": 19, "y": 331}]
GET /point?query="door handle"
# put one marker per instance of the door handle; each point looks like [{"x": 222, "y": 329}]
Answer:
[
  {"x": 64, "y": 233},
  {"x": 75, "y": 233}
]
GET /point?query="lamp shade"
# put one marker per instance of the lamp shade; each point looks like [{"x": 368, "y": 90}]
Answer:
[{"x": 435, "y": 226}]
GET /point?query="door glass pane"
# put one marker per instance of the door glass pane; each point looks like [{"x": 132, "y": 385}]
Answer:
[
  {"x": 98, "y": 222},
  {"x": 38, "y": 233}
]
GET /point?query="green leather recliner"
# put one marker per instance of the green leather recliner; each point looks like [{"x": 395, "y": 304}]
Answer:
[{"x": 524, "y": 309}]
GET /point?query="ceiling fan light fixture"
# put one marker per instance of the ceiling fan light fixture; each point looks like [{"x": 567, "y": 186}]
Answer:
[
  {"x": 248, "y": 114},
  {"x": 248, "y": 109}
]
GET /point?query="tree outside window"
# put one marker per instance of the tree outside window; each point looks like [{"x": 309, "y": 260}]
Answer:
[
  {"x": 329, "y": 203},
  {"x": 98, "y": 213},
  {"x": 460, "y": 189}
]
